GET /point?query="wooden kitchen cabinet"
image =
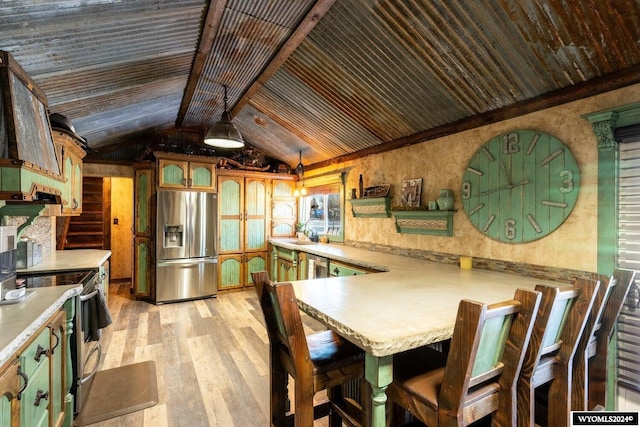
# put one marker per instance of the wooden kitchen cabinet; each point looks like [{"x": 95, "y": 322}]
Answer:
[
  {"x": 40, "y": 375},
  {"x": 242, "y": 225},
  {"x": 57, "y": 380},
  {"x": 34, "y": 363},
  {"x": 183, "y": 174},
  {"x": 10, "y": 385},
  {"x": 70, "y": 154},
  {"x": 286, "y": 264},
  {"x": 340, "y": 269},
  {"x": 284, "y": 208},
  {"x": 143, "y": 226}
]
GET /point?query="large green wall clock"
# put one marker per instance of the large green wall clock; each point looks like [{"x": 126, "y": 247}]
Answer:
[{"x": 520, "y": 186}]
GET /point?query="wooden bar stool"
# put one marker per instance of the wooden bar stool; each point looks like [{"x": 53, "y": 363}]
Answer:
[
  {"x": 481, "y": 371},
  {"x": 589, "y": 387},
  {"x": 320, "y": 361},
  {"x": 549, "y": 358}
]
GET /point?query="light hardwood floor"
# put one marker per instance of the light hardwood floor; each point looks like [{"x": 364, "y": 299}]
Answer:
[{"x": 211, "y": 358}]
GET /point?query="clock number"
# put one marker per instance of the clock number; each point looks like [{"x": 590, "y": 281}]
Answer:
[
  {"x": 466, "y": 190},
  {"x": 510, "y": 229},
  {"x": 510, "y": 141},
  {"x": 567, "y": 181}
]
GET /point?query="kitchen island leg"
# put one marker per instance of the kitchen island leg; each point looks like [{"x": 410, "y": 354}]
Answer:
[{"x": 379, "y": 373}]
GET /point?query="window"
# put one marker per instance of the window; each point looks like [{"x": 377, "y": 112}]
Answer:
[
  {"x": 322, "y": 209},
  {"x": 629, "y": 257}
]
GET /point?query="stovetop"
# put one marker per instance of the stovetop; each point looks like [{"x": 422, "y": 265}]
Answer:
[{"x": 56, "y": 279}]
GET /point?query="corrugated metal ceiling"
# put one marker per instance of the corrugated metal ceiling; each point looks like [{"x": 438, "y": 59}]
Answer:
[{"x": 368, "y": 74}]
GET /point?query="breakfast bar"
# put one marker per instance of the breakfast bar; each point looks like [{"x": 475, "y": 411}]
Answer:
[{"x": 412, "y": 304}]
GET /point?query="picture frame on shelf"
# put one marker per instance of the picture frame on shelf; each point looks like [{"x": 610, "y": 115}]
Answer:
[
  {"x": 411, "y": 192},
  {"x": 376, "y": 191}
]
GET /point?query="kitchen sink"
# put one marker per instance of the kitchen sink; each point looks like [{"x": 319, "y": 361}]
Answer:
[{"x": 304, "y": 242}]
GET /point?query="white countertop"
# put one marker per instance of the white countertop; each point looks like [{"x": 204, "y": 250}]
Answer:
[
  {"x": 18, "y": 322},
  {"x": 412, "y": 304},
  {"x": 78, "y": 259}
]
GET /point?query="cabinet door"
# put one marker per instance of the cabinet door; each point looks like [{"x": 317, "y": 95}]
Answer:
[
  {"x": 283, "y": 209},
  {"x": 142, "y": 262},
  {"x": 34, "y": 362},
  {"x": 10, "y": 385},
  {"x": 287, "y": 271},
  {"x": 76, "y": 187},
  {"x": 202, "y": 176},
  {"x": 57, "y": 366},
  {"x": 231, "y": 214},
  {"x": 143, "y": 194},
  {"x": 256, "y": 261},
  {"x": 255, "y": 215},
  {"x": 303, "y": 266},
  {"x": 230, "y": 271},
  {"x": 173, "y": 173}
]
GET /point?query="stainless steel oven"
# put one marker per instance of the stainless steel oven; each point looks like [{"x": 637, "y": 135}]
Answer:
[{"x": 86, "y": 351}]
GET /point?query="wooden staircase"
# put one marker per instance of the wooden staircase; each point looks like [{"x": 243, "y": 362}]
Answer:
[{"x": 92, "y": 228}]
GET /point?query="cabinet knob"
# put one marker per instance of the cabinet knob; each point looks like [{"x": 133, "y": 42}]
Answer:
[{"x": 57, "y": 341}]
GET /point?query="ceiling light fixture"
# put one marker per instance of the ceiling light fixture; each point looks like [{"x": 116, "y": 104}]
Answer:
[
  {"x": 300, "y": 172},
  {"x": 224, "y": 134}
]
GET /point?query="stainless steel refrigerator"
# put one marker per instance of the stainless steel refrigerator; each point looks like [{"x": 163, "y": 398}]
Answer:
[{"x": 186, "y": 253}]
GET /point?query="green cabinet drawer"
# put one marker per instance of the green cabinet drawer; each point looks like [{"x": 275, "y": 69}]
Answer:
[
  {"x": 288, "y": 254},
  {"x": 337, "y": 269},
  {"x": 36, "y": 354},
  {"x": 35, "y": 398}
]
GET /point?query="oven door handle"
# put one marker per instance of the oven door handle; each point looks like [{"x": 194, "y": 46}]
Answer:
[
  {"x": 87, "y": 378},
  {"x": 90, "y": 295}
]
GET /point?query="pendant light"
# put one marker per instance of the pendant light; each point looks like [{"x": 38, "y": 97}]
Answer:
[
  {"x": 224, "y": 134},
  {"x": 300, "y": 172}
]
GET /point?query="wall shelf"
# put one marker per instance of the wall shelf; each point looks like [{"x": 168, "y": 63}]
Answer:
[
  {"x": 439, "y": 223},
  {"x": 374, "y": 207}
]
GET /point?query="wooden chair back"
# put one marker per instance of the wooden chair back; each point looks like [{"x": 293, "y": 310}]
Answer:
[
  {"x": 284, "y": 325},
  {"x": 487, "y": 350},
  {"x": 556, "y": 332},
  {"x": 598, "y": 351}
]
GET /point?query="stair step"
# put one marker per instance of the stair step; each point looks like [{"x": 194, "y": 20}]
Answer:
[
  {"x": 85, "y": 233},
  {"x": 71, "y": 245}
]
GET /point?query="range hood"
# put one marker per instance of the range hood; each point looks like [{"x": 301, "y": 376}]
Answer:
[{"x": 29, "y": 168}]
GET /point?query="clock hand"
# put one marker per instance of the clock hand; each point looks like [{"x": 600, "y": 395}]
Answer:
[
  {"x": 506, "y": 187},
  {"x": 506, "y": 172}
]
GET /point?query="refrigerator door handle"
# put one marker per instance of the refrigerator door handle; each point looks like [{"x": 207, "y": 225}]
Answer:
[{"x": 187, "y": 262}]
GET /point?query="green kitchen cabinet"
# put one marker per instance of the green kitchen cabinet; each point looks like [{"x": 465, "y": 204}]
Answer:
[
  {"x": 10, "y": 385},
  {"x": 284, "y": 208},
  {"x": 57, "y": 353},
  {"x": 339, "y": 269},
  {"x": 143, "y": 228},
  {"x": 34, "y": 363},
  {"x": 182, "y": 174},
  {"x": 243, "y": 203},
  {"x": 286, "y": 264}
]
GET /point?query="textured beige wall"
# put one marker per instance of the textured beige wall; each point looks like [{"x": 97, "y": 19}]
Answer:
[{"x": 440, "y": 163}]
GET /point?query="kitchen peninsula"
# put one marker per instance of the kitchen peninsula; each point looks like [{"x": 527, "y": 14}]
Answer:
[{"x": 410, "y": 304}]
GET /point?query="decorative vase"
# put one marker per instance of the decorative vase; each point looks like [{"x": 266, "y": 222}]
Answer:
[{"x": 445, "y": 199}]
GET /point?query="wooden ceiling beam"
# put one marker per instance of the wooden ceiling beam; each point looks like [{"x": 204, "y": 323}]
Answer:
[
  {"x": 607, "y": 83},
  {"x": 209, "y": 31},
  {"x": 297, "y": 37}
]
